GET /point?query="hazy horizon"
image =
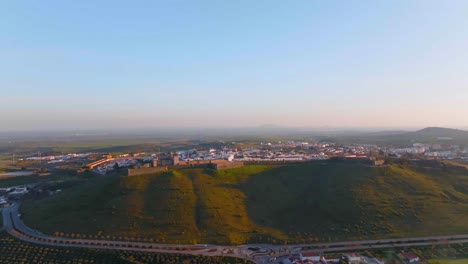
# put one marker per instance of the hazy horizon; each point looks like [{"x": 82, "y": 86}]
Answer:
[
  {"x": 244, "y": 129},
  {"x": 114, "y": 65}
]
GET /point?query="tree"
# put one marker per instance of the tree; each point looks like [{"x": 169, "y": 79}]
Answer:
[{"x": 389, "y": 161}]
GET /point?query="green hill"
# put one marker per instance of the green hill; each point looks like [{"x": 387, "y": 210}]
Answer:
[{"x": 296, "y": 203}]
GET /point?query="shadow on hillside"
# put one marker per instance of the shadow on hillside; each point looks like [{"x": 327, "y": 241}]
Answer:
[{"x": 306, "y": 199}]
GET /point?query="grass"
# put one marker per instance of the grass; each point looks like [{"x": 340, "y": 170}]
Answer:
[
  {"x": 461, "y": 163},
  {"x": 296, "y": 203},
  {"x": 448, "y": 261},
  {"x": 173, "y": 207},
  {"x": 21, "y": 180}
]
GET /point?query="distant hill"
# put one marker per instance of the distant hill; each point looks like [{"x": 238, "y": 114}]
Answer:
[
  {"x": 261, "y": 204},
  {"x": 404, "y": 138},
  {"x": 442, "y": 132},
  {"x": 387, "y": 133},
  {"x": 437, "y": 134}
]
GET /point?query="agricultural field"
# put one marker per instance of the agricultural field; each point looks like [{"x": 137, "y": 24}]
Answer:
[
  {"x": 261, "y": 204},
  {"x": 49, "y": 177},
  {"x": 117, "y": 144},
  {"x": 20, "y": 180},
  {"x": 16, "y": 251}
]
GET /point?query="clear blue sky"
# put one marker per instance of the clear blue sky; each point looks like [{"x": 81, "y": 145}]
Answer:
[{"x": 117, "y": 64}]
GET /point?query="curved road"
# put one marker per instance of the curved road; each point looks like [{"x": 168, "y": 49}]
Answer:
[{"x": 16, "y": 227}]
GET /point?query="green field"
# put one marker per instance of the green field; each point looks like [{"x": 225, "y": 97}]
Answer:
[
  {"x": 21, "y": 180},
  {"x": 295, "y": 203},
  {"x": 448, "y": 261},
  {"x": 16, "y": 251}
]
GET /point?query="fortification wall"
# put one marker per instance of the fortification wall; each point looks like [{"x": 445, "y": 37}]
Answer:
[
  {"x": 186, "y": 166},
  {"x": 227, "y": 165},
  {"x": 280, "y": 162},
  {"x": 337, "y": 160},
  {"x": 195, "y": 162},
  {"x": 142, "y": 171}
]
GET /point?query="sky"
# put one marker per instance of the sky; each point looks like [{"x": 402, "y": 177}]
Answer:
[{"x": 151, "y": 64}]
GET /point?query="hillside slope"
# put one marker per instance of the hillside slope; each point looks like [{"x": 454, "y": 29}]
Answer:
[
  {"x": 356, "y": 201},
  {"x": 297, "y": 203}
]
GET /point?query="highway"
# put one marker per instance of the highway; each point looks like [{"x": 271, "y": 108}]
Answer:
[{"x": 13, "y": 224}]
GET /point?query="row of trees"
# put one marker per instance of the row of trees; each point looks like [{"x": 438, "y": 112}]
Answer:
[
  {"x": 295, "y": 238},
  {"x": 13, "y": 250},
  {"x": 101, "y": 236}
]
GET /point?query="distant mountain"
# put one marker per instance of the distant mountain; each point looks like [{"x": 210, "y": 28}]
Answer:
[
  {"x": 405, "y": 138},
  {"x": 387, "y": 133},
  {"x": 270, "y": 126},
  {"x": 441, "y": 132}
]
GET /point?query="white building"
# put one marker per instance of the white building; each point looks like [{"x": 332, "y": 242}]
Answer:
[
  {"x": 315, "y": 257},
  {"x": 3, "y": 201}
]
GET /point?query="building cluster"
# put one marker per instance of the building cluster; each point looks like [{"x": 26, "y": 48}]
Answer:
[
  {"x": 207, "y": 154},
  {"x": 58, "y": 158},
  {"x": 278, "y": 152},
  {"x": 322, "y": 150},
  {"x": 3, "y": 201},
  {"x": 12, "y": 192},
  {"x": 443, "y": 151},
  {"x": 145, "y": 165},
  {"x": 350, "y": 258},
  {"x": 406, "y": 257},
  {"x": 275, "y": 152},
  {"x": 278, "y": 155},
  {"x": 15, "y": 190},
  {"x": 112, "y": 164},
  {"x": 287, "y": 151},
  {"x": 316, "y": 258},
  {"x": 9, "y": 194}
]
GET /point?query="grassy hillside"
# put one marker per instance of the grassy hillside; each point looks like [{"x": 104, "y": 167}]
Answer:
[
  {"x": 448, "y": 261},
  {"x": 297, "y": 203}
]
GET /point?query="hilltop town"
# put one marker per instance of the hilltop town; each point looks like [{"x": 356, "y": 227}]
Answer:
[{"x": 229, "y": 156}]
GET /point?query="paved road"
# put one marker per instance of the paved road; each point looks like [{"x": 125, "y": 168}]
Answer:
[
  {"x": 2, "y": 227},
  {"x": 16, "y": 227}
]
